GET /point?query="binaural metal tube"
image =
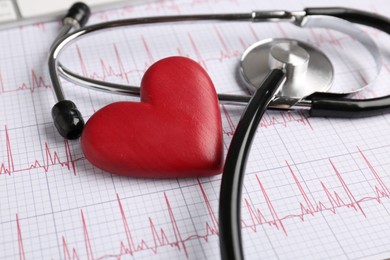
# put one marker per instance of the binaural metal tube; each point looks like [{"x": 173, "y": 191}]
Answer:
[
  {"x": 279, "y": 103},
  {"x": 60, "y": 44}
]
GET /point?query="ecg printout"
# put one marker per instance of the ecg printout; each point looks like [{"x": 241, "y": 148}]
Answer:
[{"x": 314, "y": 187}]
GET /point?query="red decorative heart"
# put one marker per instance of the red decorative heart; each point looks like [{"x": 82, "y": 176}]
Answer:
[{"x": 175, "y": 131}]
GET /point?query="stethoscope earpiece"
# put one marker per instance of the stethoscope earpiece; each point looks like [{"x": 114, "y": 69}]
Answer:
[
  {"x": 67, "y": 119},
  {"x": 78, "y": 13}
]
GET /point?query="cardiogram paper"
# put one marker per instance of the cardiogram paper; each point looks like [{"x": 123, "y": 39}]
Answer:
[{"x": 314, "y": 188}]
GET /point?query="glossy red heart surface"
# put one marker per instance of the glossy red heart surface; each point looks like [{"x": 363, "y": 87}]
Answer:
[{"x": 175, "y": 131}]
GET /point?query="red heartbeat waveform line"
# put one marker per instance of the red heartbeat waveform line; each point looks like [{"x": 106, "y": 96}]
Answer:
[
  {"x": 51, "y": 159},
  {"x": 225, "y": 53},
  {"x": 163, "y": 6},
  {"x": 118, "y": 70},
  {"x": 232, "y": 127},
  {"x": 320, "y": 36},
  {"x": 130, "y": 247},
  {"x": 153, "y": 7},
  {"x": 36, "y": 83},
  {"x": 387, "y": 67},
  {"x": 319, "y": 39},
  {"x": 308, "y": 207},
  {"x": 22, "y": 255},
  {"x": 40, "y": 26},
  {"x": 282, "y": 118},
  {"x": 159, "y": 236},
  {"x": 285, "y": 118},
  {"x": 107, "y": 70}
]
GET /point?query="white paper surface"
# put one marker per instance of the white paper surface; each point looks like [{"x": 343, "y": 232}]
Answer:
[{"x": 314, "y": 187}]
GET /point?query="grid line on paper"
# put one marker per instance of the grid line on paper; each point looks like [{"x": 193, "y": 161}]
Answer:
[
  {"x": 307, "y": 187},
  {"x": 81, "y": 212}
]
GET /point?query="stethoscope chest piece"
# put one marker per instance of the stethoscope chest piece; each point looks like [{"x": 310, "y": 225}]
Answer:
[{"x": 308, "y": 70}]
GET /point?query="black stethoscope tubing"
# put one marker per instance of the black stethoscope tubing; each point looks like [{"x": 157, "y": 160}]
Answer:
[
  {"x": 323, "y": 104},
  {"x": 318, "y": 104},
  {"x": 235, "y": 163}
]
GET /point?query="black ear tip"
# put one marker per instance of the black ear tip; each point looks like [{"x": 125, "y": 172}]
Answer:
[
  {"x": 67, "y": 119},
  {"x": 80, "y": 12}
]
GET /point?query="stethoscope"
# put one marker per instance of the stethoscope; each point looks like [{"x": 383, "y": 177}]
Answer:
[{"x": 274, "y": 70}]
